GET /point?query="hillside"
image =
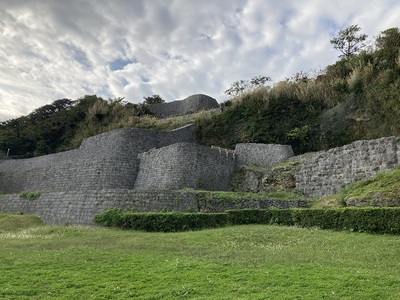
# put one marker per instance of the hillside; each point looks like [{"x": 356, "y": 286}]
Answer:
[{"x": 356, "y": 98}]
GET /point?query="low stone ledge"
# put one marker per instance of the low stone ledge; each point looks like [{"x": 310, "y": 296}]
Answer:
[{"x": 80, "y": 207}]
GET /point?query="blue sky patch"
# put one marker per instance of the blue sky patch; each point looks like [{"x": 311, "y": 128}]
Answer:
[
  {"x": 119, "y": 63},
  {"x": 80, "y": 56}
]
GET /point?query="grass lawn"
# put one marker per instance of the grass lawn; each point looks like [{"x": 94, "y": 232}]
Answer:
[{"x": 240, "y": 262}]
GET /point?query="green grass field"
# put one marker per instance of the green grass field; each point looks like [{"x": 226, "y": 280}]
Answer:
[{"x": 242, "y": 262}]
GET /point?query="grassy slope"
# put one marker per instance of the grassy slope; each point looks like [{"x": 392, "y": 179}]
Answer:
[
  {"x": 243, "y": 262},
  {"x": 12, "y": 223}
]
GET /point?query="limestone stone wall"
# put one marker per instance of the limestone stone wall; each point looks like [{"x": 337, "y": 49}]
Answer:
[
  {"x": 141, "y": 169},
  {"x": 327, "y": 172},
  {"x": 80, "y": 207},
  {"x": 216, "y": 205},
  {"x": 186, "y": 106},
  {"x": 185, "y": 165},
  {"x": 108, "y": 160},
  {"x": 262, "y": 154},
  {"x": 321, "y": 173}
]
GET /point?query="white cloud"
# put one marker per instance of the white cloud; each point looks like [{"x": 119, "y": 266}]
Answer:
[{"x": 134, "y": 48}]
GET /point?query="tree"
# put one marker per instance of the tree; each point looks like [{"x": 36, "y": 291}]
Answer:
[
  {"x": 349, "y": 41},
  {"x": 242, "y": 86},
  {"x": 389, "y": 38},
  {"x": 153, "y": 99},
  {"x": 388, "y": 46}
]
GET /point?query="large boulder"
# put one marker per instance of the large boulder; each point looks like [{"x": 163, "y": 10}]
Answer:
[{"x": 186, "y": 106}]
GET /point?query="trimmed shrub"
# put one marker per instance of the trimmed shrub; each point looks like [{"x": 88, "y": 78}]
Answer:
[
  {"x": 281, "y": 217},
  {"x": 322, "y": 218},
  {"x": 249, "y": 216},
  {"x": 110, "y": 218},
  {"x": 260, "y": 216},
  {"x": 371, "y": 220},
  {"x": 162, "y": 222}
]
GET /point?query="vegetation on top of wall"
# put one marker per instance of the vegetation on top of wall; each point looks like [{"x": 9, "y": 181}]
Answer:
[
  {"x": 234, "y": 196},
  {"x": 30, "y": 195},
  {"x": 355, "y": 98}
]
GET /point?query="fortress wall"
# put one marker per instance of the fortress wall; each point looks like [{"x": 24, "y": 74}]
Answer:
[
  {"x": 107, "y": 160},
  {"x": 80, "y": 207},
  {"x": 186, "y": 106},
  {"x": 72, "y": 175},
  {"x": 326, "y": 172},
  {"x": 101, "y": 174},
  {"x": 128, "y": 142},
  {"x": 262, "y": 154},
  {"x": 215, "y": 205},
  {"x": 185, "y": 165}
]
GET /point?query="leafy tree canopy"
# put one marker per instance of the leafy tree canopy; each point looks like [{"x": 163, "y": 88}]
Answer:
[
  {"x": 243, "y": 86},
  {"x": 349, "y": 41},
  {"x": 153, "y": 99}
]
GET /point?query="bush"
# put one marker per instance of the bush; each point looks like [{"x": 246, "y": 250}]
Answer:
[
  {"x": 371, "y": 220},
  {"x": 110, "y": 218},
  {"x": 163, "y": 222},
  {"x": 249, "y": 216},
  {"x": 30, "y": 195}
]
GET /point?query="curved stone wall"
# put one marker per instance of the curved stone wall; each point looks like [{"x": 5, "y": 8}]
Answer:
[
  {"x": 108, "y": 160},
  {"x": 135, "y": 168},
  {"x": 185, "y": 165},
  {"x": 186, "y": 106}
]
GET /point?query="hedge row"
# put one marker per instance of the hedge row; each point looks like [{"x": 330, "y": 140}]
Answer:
[
  {"x": 372, "y": 220},
  {"x": 164, "y": 222}
]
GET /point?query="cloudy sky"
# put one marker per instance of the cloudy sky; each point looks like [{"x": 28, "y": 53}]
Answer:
[{"x": 54, "y": 49}]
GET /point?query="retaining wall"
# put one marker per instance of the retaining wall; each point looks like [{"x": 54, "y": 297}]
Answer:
[
  {"x": 107, "y": 160},
  {"x": 327, "y": 172},
  {"x": 186, "y": 106},
  {"x": 185, "y": 165},
  {"x": 80, "y": 207},
  {"x": 125, "y": 168},
  {"x": 262, "y": 154}
]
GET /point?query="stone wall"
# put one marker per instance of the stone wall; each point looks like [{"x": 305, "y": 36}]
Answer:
[
  {"x": 186, "y": 106},
  {"x": 107, "y": 160},
  {"x": 80, "y": 207},
  {"x": 216, "y": 205},
  {"x": 135, "y": 168},
  {"x": 321, "y": 173},
  {"x": 327, "y": 172},
  {"x": 262, "y": 154},
  {"x": 185, "y": 165}
]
